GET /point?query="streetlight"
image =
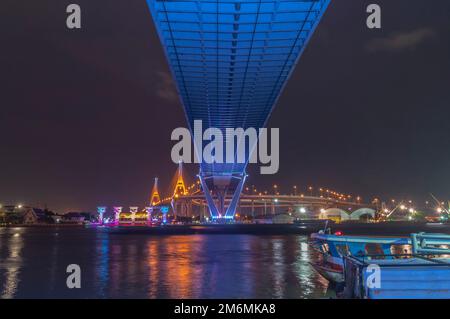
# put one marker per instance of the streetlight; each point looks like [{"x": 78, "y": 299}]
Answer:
[
  {"x": 295, "y": 190},
  {"x": 310, "y": 190}
]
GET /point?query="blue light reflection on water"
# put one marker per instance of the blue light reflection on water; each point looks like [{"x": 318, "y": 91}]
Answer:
[{"x": 33, "y": 264}]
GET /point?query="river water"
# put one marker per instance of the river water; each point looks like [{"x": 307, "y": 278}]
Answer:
[{"x": 33, "y": 263}]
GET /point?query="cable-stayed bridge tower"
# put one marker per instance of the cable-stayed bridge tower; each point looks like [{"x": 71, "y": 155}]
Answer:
[
  {"x": 154, "y": 197},
  {"x": 180, "y": 187}
]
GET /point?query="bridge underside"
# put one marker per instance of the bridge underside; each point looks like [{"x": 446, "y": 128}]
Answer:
[{"x": 230, "y": 60}]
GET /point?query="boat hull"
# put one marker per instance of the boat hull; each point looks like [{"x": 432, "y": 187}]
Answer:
[{"x": 332, "y": 275}]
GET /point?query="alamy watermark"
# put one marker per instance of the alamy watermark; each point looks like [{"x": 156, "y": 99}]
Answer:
[
  {"x": 73, "y": 20},
  {"x": 374, "y": 19},
  {"x": 373, "y": 279},
  {"x": 74, "y": 279},
  {"x": 228, "y": 146}
]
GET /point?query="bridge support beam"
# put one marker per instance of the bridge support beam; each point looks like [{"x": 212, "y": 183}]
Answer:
[
  {"x": 209, "y": 199},
  {"x": 231, "y": 210},
  {"x": 219, "y": 211}
]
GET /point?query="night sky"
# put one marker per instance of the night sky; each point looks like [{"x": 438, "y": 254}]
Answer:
[{"x": 86, "y": 115}]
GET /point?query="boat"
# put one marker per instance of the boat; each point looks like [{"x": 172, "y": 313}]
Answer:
[
  {"x": 423, "y": 274},
  {"x": 335, "y": 247},
  {"x": 408, "y": 267}
]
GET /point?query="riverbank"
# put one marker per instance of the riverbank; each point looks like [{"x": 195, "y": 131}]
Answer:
[
  {"x": 42, "y": 225},
  {"x": 302, "y": 228},
  {"x": 386, "y": 228}
]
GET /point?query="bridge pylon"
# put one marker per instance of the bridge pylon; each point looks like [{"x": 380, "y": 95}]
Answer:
[
  {"x": 155, "y": 198},
  {"x": 180, "y": 187},
  {"x": 179, "y": 207}
]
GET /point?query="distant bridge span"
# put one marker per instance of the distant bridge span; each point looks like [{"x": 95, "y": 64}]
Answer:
[
  {"x": 184, "y": 200},
  {"x": 283, "y": 200},
  {"x": 257, "y": 205}
]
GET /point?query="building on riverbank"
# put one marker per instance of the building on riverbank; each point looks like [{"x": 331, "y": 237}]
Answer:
[
  {"x": 18, "y": 214},
  {"x": 27, "y": 215}
]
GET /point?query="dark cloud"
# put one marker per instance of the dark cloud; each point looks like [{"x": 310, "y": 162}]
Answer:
[{"x": 400, "y": 41}]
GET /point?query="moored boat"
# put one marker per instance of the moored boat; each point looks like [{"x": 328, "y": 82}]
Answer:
[
  {"x": 335, "y": 247},
  {"x": 386, "y": 267},
  {"x": 422, "y": 274}
]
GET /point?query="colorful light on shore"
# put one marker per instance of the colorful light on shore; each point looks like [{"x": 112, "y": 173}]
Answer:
[
  {"x": 222, "y": 217},
  {"x": 149, "y": 210},
  {"x": 101, "y": 210},
  {"x": 133, "y": 211},
  {"x": 164, "y": 211},
  {"x": 117, "y": 212}
]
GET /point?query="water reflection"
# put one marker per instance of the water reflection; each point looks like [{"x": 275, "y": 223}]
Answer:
[
  {"x": 33, "y": 264},
  {"x": 278, "y": 269},
  {"x": 306, "y": 275},
  {"x": 153, "y": 266},
  {"x": 12, "y": 244},
  {"x": 102, "y": 263}
]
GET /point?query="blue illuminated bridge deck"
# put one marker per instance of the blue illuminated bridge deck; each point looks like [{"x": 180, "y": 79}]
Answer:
[{"x": 230, "y": 60}]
